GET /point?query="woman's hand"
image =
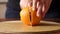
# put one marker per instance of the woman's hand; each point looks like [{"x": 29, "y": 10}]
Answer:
[
  {"x": 46, "y": 5},
  {"x": 41, "y": 6},
  {"x": 24, "y": 3}
]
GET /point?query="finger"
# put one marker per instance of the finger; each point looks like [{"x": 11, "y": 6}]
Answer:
[
  {"x": 39, "y": 11},
  {"x": 37, "y": 4},
  {"x": 43, "y": 8},
  {"x": 46, "y": 7},
  {"x": 34, "y": 4},
  {"x": 30, "y": 4},
  {"x": 39, "y": 8},
  {"x": 43, "y": 11}
]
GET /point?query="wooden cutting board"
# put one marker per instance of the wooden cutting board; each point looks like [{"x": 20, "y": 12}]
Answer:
[{"x": 18, "y": 26}]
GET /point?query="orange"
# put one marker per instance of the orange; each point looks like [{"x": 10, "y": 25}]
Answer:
[{"x": 29, "y": 17}]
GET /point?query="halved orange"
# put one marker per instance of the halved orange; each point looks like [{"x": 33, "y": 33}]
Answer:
[{"x": 29, "y": 17}]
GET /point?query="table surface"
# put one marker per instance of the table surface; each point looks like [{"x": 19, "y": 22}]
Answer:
[{"x": 46, "y": 19}]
